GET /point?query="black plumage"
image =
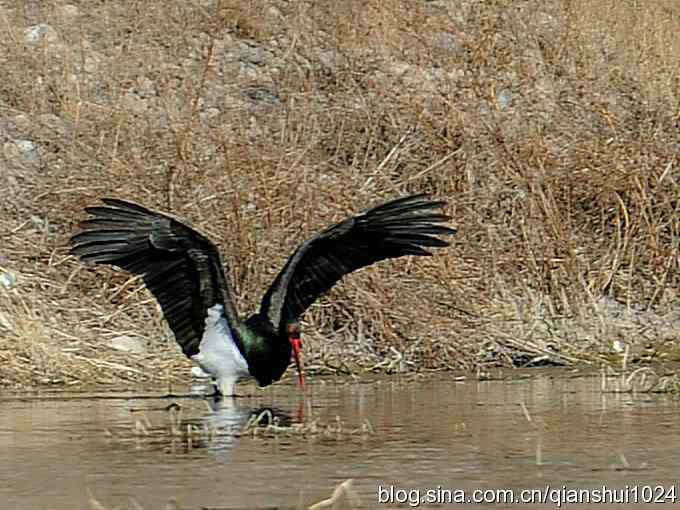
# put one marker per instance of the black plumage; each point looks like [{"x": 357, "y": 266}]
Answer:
[
  {"x": 183, "y": 269},
  {"x": 180, "y": 267},
  {"x": 406, "y": 226}
]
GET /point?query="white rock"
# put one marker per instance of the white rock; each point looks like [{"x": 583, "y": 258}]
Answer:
[
  {"x": 618, "y": 346},
  {"x": 38, "y": 33},
  {"x": 8, "y": 279}
]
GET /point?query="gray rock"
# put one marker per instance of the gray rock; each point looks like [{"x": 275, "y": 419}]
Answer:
[
  {"x": 125, "y": 343},
  {"x": 18, "y": 124},
  {"x": 22, "y": 155},
  {"x": 53, "y": 122},
  {"x": 260, "y": 95},
  {"x": 330, "y": 59},
  {"x": 254, "y": 55},
  {"x": 274, "y": 14},
  {"x": 445, "y": 41},
  {"x": 145, "y": 88},
  {"x": 504, "y": 99}
]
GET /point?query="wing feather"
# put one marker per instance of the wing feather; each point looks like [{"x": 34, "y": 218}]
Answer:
[
  {"x": 405, "y": 226},
  {"x": 179, "y": 266}
]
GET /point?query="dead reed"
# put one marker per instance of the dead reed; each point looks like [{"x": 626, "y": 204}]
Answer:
[
  {"x": 550, "y": 127},
  {"x": 263, "y": 425}
]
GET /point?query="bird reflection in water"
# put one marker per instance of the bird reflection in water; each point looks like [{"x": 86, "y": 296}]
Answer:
[{"x": 226, "y": 422}]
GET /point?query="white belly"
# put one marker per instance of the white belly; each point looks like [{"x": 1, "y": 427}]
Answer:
[{"x": 218, "y": 354}]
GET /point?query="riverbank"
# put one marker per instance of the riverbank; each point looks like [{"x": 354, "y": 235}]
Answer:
[{"x": 550, "y": 128}]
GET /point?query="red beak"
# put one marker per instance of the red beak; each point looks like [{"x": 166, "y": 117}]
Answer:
[{"x": 296, "y": 344}]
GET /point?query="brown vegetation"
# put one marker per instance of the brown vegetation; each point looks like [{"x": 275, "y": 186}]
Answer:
[{"x": 551, "y": 127}]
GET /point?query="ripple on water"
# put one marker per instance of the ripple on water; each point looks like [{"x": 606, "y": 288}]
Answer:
[{"x": 521, "y": 433}]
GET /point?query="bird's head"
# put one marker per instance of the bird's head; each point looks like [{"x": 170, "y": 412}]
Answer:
[{"x": 293, "y": 330}]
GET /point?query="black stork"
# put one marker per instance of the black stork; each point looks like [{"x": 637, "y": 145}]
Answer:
[{"x": 184, "y": 272}]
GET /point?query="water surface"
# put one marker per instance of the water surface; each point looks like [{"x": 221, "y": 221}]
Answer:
[{"x": 552, "y": 428}]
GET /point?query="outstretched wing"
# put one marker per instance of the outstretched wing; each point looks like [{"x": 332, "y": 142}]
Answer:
[
  {"x": 405, "y": 226},
  {"x": 180, "y": 267}
]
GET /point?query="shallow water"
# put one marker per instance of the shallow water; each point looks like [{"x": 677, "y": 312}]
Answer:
[{"x": 552, "y": 429}]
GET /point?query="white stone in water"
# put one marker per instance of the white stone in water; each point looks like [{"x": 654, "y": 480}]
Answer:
[{"x": 127, "y": 343}]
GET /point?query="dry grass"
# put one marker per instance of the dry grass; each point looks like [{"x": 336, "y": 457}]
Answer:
[
  {"x": 551, "y": 128},
  {"x": 262, "y": 425}
]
